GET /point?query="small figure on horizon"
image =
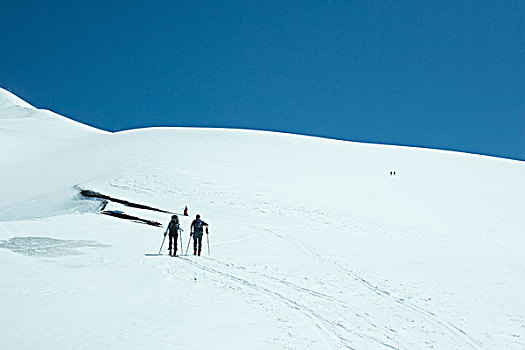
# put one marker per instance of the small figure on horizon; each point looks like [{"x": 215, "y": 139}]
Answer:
[
  {"x": 186, "y": 211},
  {"x": 173, "y": 230},
  {"x": 196, "y": 230}
]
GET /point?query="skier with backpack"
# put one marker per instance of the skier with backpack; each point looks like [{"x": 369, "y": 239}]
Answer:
[
  {"x": 173, "y": 230},
  {"x": 196, "y": 231}
]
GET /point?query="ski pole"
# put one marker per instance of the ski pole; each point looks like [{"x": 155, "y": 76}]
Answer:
[
  {"x": 188, "y": 247},
  {"x": 208, "y": 240},
  {"x": 181, "y": 246},
  {"x": 163, "y": 242}
]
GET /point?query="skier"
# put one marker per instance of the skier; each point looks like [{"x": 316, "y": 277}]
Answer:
[
  {"x": 186, "y": 211},
  {"x": 173, "y": 230},
  {"x": 196, "y": 231}
]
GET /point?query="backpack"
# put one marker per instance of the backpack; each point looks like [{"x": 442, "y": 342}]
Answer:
[
  {"x": 198, "y": 224},
  {"x": 174, "y": 224}
]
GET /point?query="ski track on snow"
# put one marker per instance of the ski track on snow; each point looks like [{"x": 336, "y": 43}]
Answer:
[
  {"x": 449, "y": 327},
  {"x": 330, "y": 328},
  {"x": 323, "y": 296}
]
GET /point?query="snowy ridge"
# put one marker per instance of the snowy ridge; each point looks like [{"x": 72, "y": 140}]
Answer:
[
  {"x": 8, "y": 99},
  {"x": 19, "y": 116},
  {"x": 315, "y": 243}
]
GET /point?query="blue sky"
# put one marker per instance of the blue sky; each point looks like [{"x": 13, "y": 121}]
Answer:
[{"x": 438, "y": 74}]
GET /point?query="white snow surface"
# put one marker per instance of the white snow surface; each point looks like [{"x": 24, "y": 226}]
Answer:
[{"x": 314, "y": 245}]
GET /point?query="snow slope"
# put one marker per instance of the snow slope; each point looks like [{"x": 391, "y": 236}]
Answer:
[{"x": 314, "y": 245}]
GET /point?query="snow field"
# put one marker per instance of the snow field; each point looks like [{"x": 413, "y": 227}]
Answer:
[{"x": 313, "y": 244}]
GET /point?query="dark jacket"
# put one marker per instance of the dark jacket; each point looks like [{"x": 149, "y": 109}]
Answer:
[
  {"x": 173, "y": 226},
  {"x": 198, "y": 226}
]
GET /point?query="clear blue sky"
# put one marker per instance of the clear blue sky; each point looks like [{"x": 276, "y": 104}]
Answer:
[{"x": 439, "y": 74}]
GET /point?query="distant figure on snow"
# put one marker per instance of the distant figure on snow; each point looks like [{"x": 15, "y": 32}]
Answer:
[
  {"x": 186, "y": 211},
  {"x": 196, "y": 230},
  {"x": 173, "y": 230}
]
